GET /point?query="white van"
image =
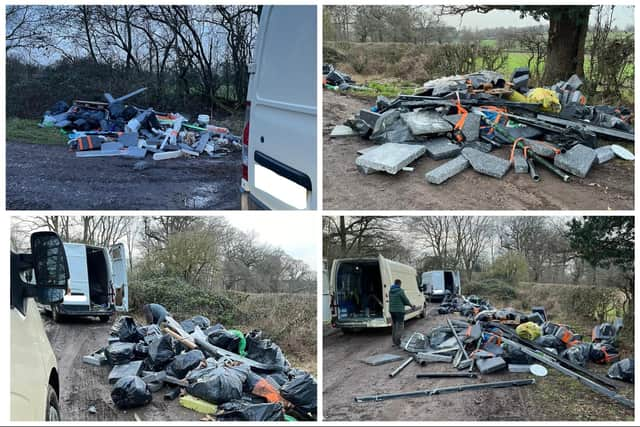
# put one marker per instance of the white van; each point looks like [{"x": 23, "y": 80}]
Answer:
[
  {"x": 40, "y": 277},
  {"x": 279, "y": 156},
  {"x": 98, "y": 284},
  {"x": 438, "y": 283},
  {"x": 360, "y": 291}
]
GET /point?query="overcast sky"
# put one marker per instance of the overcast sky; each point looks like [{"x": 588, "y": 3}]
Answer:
[
  {"x": 295, "y": 232},
  {"x": 623, "y": 16}
]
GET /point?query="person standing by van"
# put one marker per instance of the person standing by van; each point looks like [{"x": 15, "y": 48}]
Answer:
[{"x": 397, "y": 301}]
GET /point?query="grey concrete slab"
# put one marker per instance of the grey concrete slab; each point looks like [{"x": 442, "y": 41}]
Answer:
[
  {"x": 471, "y": 127},
  {"x": 342, "y": 130},
  {"x": 390, "y": 157},
  {"x": 577, "y": 161},
  {"x": 441, "y": 148},
  {"x": 447, "y": 170},
  {"x": 520, "y": 164},
  {"x": 604, "y": 154},
  {"x": 381, "y": 359},
  {"x": 486, "y": 164},
  {"x": 426, "y": 122}
]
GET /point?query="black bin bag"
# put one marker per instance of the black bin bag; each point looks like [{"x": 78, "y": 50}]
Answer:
[
  {"x": 160, "y": 353},
  {"x": 302, "y": 392},
  {"x": 185, "y": 362},
  {"x": 130, "y": 392},
  {"x": 120, "y": 353},
  {"x": 217, "y": 385},
  {"x": 241, "y": 411}
]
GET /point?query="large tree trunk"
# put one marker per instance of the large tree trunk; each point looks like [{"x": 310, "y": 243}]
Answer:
[{"x": 567, "y": 35}]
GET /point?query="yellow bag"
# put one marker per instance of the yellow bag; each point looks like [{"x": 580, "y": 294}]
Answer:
[
  {"x": 546, "y": 97},
  {"x": 529, "y": 331}
]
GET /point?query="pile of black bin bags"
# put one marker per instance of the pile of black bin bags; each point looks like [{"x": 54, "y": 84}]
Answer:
[{"x": 151, "y": 360}]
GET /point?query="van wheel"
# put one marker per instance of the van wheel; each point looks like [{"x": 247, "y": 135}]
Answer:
[
  {"x": 425, "y": 310},
  {"x": 55, "y": 314},
  {"x": 104, "y": 319},
  {"x": 53, "y": 409}
]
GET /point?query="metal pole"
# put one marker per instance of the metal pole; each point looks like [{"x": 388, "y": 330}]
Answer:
[
  {"x": 532, "y": 170},
  {"x": 443, "y": 390},
  {"x": 447, "y": 375},
  {"x": 401, "y": 367}
]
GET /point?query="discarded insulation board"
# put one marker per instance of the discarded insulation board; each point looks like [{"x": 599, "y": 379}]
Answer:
[
  {"x": 426, "y": 123},
  {"x": 365, "y": 149},
  {"x": 486, "y": 164},
  {"x": 520, "y": 164},
  {"x": 577, "y": 161},
  {"x": 604, "y": 154},
  {"x": 198, "y": 405},
  {"x": 342, "y": 130},
  {"x": 99, "y": 153},
  {"x": 441, "y": 148},
  {"x": 448, "y": 170},
  {"x": 381, "y": 359},
  {"x": 390, "y": 157}
]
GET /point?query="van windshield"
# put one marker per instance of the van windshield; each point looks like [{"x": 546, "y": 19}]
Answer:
[{"x": 359, "y": 290}]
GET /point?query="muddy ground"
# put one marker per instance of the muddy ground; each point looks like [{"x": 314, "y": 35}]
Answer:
[
  {"x": 83, "y": 386},
  {"x": 50, "y": 177},
  {"x": 552, "y": 398},
  {"x": 608, "y": 186}
]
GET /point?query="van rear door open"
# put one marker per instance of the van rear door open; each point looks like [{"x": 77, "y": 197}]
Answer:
[
  {"x": 118, "y": 257},
  {"x": 79, "y": 280},
  {"x": 281, "y": 153}
]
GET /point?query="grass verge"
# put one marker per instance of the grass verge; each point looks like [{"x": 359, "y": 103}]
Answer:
[{"x": 28, "y": 131}]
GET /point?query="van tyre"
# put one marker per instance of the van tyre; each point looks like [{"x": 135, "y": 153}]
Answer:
[
  {"x": 53, "y": 408},
  {"x": 104, "y": 319},
  {"x": 56, "y": 315},
  {"x": 424, "y": 312}
]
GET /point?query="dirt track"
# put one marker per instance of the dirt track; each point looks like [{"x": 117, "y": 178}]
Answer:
[
  {"x": 608, "y": 186},
  {"x": 85, "y": 385},
  {"x": 44, "y": 177},
  {"x": 345, "y": 376}
]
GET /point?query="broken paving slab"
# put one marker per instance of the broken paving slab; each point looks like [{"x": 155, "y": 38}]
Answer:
[
  {"x": 381, "y": 359},
  {"x": 520, "y": 164},
  {"x": 486, "y": 164},
  {"x": 471, "y": 126},
  {"x": 541, "y": 148},
  {"x": 441, "y": 148},
  {"x": 390, "y": 157},
  {"x": 426, "y": 122},
  {"x": 342, "y": 130},
  {"x": 447, "y": 170},
  {"x": 577, "y": 161},
  {"x": 604, "y": 154}
]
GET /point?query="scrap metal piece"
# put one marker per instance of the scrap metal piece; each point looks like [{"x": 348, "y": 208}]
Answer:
[
  {"x": 446, "y": 375},
  {"x": 401, "y": 367},
  {"x": 432, "y": 357},
  {"x": 443, "y": 390}
]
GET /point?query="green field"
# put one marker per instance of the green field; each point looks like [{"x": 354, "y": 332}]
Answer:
[{"x": 27, "y": 130}]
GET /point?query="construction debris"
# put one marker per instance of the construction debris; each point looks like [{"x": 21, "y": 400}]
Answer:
[
  {"x": 474, "y": 114},
  {"x": 218, "y": 372},
  {"x": 116, "y": 129},
  {"x": 508, "y": 341}
]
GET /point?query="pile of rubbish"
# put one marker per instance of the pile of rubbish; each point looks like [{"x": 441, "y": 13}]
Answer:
[
  {"x": 463, "y": 305},
  {"x": 505, "y": 340},
  {"x": 114, "y": 128},
  {"x": 221, "y": 373},
  {"x": 461, "y": 119}
]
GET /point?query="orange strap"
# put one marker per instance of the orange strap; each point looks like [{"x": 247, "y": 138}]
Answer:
[{"x": 513, "y": 148}]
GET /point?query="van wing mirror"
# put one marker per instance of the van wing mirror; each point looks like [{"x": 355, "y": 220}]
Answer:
[{"x": 49, "y": 261}]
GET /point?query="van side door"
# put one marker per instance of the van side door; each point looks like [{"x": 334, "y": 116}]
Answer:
[{"x": 118, "y": 255}]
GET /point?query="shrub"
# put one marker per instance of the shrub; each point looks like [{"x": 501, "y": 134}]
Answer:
[{"x": 511, "y": 266}]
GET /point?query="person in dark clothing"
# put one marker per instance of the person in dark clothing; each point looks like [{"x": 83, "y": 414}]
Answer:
[
  {"x": 397, "y": 301},
  {"x": 155, "y": 313}
]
